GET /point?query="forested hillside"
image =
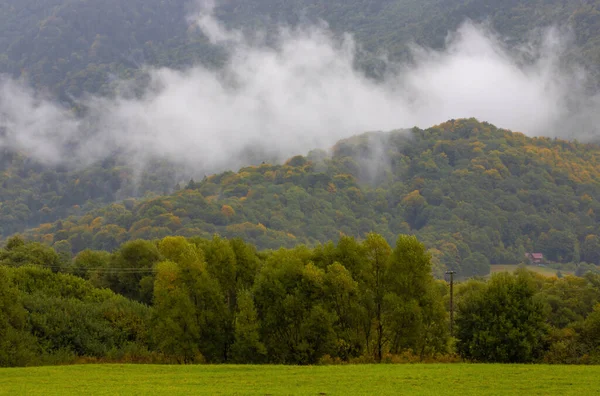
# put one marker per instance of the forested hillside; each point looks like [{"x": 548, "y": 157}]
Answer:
[
  {"x": 333, "y": 256},
  {"x": 81, "y": 46},
  {"x": 77, "y": 46},
  {"x": 473, "y": 193},
  {"x": 32, "y": 193}
]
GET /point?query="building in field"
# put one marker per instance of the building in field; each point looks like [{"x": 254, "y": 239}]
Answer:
[{"x": 535, "y": 258}]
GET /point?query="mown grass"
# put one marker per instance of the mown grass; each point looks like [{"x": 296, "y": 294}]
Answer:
[{"x": 408, "y": 379}]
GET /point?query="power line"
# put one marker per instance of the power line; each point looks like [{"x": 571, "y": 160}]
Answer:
[{"x": 131, "y": 270}]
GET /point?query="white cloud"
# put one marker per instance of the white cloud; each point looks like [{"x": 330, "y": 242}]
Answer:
[{"x": 303, "y": 93}]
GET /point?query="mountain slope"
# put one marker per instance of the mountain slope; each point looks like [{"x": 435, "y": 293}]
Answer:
[
  {"x": 463, "y": 187},
  {"x": 32, "y": 193},
  {"x": 77, "y": 46}
]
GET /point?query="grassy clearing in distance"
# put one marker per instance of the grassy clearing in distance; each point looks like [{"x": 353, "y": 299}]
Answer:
[
  {"x": 418, "y": 379},
  {"x": 547, "y": 271}
]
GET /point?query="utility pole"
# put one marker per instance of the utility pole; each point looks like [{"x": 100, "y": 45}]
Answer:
[{"x": 451, "y": 273}]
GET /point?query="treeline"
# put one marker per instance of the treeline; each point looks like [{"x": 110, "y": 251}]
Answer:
[
  {"x": 473, "y": 193},
  {"x": 178, "y": 300}
]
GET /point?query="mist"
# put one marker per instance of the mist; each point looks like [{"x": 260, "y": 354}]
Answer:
[{"x": 303, "y": 92}]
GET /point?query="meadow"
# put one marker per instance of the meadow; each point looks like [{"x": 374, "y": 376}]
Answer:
[
  {"x": 406, "y": 379},
  {"x": 546, "y": 271}
]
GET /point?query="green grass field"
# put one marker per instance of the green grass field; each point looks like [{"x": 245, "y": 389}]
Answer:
[
  {"x": 540, "y": 270},
  {"x": 433, "y": 379}
]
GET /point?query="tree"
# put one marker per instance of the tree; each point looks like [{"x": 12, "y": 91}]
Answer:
[
  {"x": 558, "y": 245},
  {"x": 132, "y": 266},
  {"x": 247, "y": 347},
  {"x": 247, "y": 263},
  {"x": 19, "y": 253},
  {"x": 221, "y": 265},
  {"x": 590, "y": 333},
  {"x": 88, "y": 260},
  {"x": 377, "y": 254},
  {"x": 227, "y": 211},
  {"x": 177, "y": 328},
  {"x": 14, "y": 242},
  {"x": 351, "y": 255},
  {"x": 16, "y": 344},
  {"x": 590, "y": 250},
  {"x": 414, "y": 309},
  {"x": 193, "y": 289},
  {"x": 475, "y": 265},
  {"x": 502, "y": 321},
  {"x": 342, "y": 295},
  {"x": 289, "y": 295},
  {"x": 414, "y": 205}
]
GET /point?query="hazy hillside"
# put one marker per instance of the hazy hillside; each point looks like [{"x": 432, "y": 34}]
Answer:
[
  {"x": 465, "y": 188},
  {"x": 32, "y": 193},
  {"x": 76, "y": 46},
  {"x": 322, "y": 243}
]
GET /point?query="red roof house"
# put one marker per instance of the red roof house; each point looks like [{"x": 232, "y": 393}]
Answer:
[{"x": 535, "y": 258}]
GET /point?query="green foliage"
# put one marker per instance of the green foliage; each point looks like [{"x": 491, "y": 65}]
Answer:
[
  {"x": 177, "y": 329},
  {"x": 463, "y": 187},
  {"x": 414, "y": 305},
  {"x": 89, "y": 264},
  {"x": 130, "y": 272},
  {"x": 34, "y": 195},
  {"x": 191, "y": 315},
  {"x": 15, "y": 342},
  {"x": 18, "y": 253},
  {"x": 64, "y": 316},
  {"x": 220, "y": 300},
  {"x": 590, "y": 250},
  {"x": 502, "y": 321},
  {"x": 74, "y": 47},
  {"x": 247, "y": 347},
  {"x": 471, "y": 193},
  {"x": 476, "y": 264},
  {"x": 494, "y": 193},
  {"x": 377, "y": 254},
  {"x": 288, "y": 295}
]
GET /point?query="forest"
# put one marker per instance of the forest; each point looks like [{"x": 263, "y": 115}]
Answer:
[
  {"x": 76, "y": 47},
  {"x": 474, "y": 194},
  {"x": 192, "y": 300},
  {"x": 337, "y": 255}
]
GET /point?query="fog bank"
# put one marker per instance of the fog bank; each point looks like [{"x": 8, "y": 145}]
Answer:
[{"x": 301, "y": 93}]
